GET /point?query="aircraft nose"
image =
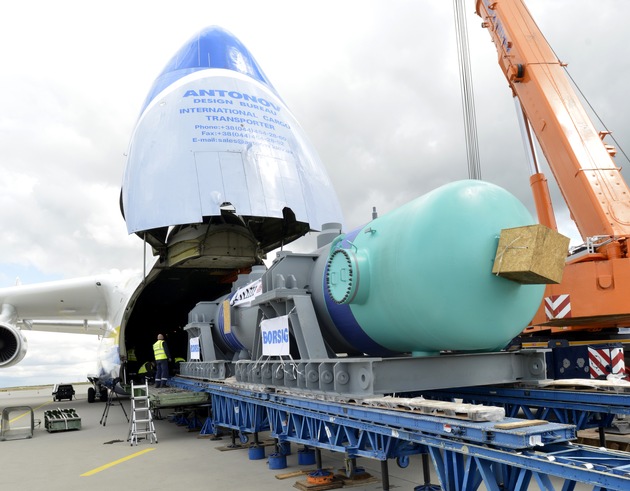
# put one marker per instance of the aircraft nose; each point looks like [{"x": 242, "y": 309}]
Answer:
[
  {"x": 211, "y": 48},
  {"x": 215, "y": 47},
  {"x": 214, "y": 131}
]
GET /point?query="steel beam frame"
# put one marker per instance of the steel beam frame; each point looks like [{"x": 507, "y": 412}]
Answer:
[
  {"x": 238, "y": 414},
  {"x": 362, "y": 377},
  {"x": 465, "y": 454},
  {"x": 318, "y": 369}
]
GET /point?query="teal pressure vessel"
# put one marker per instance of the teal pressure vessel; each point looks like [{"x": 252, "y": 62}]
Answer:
[{"x": 419, "y": 279}]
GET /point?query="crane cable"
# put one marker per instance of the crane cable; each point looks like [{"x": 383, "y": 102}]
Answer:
[
  {"x": 595, "y": 113},
  {"x": 466, "y": 89},
  {"x": 586, "y": 100}
]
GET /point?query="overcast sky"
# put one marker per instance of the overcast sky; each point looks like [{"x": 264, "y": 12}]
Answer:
[{"x": 374, "y": 84}]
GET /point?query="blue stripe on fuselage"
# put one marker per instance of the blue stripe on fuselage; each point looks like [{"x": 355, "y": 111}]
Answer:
[{"x": 213, "y": 47}]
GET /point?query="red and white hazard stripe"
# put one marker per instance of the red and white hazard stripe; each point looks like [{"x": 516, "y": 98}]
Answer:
[
  {"x": 617, "y": 363},
  {"x": 558, "y": 307},
  {"x": 598, "y": 361},
  {"x": 604, "y": 361}
]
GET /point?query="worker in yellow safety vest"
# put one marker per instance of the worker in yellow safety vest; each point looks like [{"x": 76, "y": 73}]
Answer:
[
  {"x": 131, "y": 354},
  {"x": 131, "y": 364},
  {"x": 175, "y": 365},
  {"x": 147, "y": 372},
  {"x": 162, "y": 357}
]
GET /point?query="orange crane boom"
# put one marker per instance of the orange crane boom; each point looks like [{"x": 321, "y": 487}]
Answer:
[{"x": 595, "y": 288}]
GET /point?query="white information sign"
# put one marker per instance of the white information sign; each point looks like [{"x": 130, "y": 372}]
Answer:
[
  {"x": 275, "y": 336},
  {"x": 195, "y": 351}
]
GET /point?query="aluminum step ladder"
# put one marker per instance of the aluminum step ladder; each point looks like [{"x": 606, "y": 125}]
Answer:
[{"x": 141, "y": 424}]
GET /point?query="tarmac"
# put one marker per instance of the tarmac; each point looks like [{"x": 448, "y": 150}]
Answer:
[{"x": 98, "y": 456}]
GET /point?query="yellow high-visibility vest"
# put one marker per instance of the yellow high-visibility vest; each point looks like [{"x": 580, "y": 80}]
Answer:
[{"x": 158, "y": 350}]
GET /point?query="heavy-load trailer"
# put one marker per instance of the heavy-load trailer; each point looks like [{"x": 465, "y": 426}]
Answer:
[{"x": 468, "y": 445}]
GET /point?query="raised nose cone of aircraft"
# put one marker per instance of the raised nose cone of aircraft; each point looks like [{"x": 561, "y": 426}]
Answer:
[
  {"x": 213, "y": 47},
  {"x": 214, "y": 140}
]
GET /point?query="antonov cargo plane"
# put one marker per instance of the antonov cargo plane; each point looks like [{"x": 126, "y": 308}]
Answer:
[{"x": 218, "y": 173}]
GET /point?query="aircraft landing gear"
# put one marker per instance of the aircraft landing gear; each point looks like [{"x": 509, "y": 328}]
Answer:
[{"x": 97, "y": 390}]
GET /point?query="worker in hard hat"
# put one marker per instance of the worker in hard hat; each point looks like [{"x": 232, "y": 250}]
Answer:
[{"x": 162, "y": 357}]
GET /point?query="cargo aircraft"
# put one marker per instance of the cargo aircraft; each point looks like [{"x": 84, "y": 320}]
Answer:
[{"x": 218, "y": 174}]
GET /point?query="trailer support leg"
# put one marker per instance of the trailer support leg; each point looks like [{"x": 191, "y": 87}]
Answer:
[
  {"x": 385, "y": 474},
  {"x": 233, "y": 444},
  {"x": 318, "y": 458},
  {"x": 426, "y": 476}
]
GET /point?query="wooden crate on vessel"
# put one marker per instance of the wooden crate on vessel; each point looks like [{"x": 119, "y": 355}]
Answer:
[{"x": 533, "y": 254}]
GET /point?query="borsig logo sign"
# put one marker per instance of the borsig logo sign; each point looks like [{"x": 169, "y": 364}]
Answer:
[
  {"x": 275, "y": 336},
  {"x": 195, "y": 351}
]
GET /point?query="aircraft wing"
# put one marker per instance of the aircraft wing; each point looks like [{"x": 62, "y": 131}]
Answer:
[{"x": 81, "y": 305}]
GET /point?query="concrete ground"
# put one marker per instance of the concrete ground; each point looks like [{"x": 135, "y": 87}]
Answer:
[
  {"x": 94, "y": 456},
  {"x": 98, "y": 456}
]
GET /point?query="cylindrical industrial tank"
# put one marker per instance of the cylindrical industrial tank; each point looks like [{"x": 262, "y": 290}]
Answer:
[
  {"x": 419, "y": 279},
  {"x": 234, "y": 328}
]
